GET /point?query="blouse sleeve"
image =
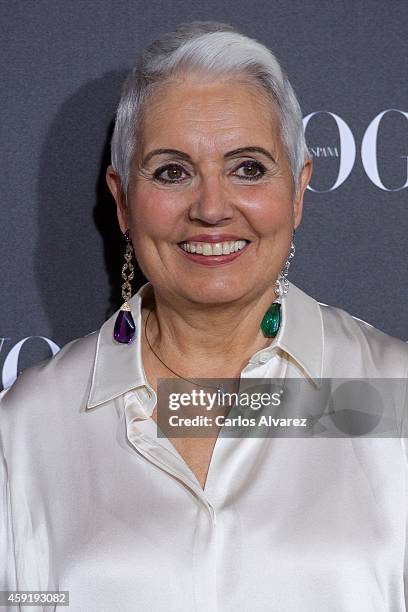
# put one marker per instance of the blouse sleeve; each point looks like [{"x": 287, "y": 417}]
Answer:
[
  {"x": 7, "y": 560},
  {"x": 405, "y": 444},
  {"x": 404, "y": 439}
]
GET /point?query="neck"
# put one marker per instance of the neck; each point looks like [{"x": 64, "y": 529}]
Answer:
[{"x": 198, "y": 337}]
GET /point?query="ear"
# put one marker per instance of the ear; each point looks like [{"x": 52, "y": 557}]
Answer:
[
  {"x": 304, "y": 180},
  {"x": 115, "y": 187}
]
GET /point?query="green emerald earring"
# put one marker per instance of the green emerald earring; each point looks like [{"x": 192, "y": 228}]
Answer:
[{"x": 271, "y": 321}]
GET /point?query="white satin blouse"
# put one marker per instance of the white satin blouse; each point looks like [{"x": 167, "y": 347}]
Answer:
[{"x": 93, "y": 502}]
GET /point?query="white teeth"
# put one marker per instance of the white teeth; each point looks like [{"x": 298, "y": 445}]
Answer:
[{"x": 213, "y": 248}]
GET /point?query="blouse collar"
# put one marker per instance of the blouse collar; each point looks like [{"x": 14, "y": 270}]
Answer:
[{"x": 118, "y": 368}]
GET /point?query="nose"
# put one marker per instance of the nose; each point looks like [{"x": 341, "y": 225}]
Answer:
[{"x": 212, "y": 204}]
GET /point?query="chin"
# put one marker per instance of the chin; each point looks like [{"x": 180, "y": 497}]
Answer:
[{"x": 217, "y": 292}]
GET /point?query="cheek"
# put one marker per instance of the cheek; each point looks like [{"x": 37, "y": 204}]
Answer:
[
  {"x": 155, "y": 214},
  {"x": 269, "y": 211}
]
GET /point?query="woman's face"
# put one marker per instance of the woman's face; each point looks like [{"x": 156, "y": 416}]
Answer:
[{"x": 211, "y": 205}]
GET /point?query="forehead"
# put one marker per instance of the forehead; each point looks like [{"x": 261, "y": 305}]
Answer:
[{"x": 216, "y": 114}]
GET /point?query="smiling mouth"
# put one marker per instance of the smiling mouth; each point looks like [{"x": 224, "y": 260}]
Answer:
[{"x": 211, "y": 249}]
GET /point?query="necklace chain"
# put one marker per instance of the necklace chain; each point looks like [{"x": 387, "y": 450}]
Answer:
[{"x": 219, "y": 388}]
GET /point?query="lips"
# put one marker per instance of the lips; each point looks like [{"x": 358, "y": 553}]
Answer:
[
  {"x": 213, "y": 245},
  {"x": 213, "y": 238}
]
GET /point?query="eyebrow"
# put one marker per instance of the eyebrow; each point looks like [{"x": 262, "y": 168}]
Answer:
[{"x": 185, "y": 157}]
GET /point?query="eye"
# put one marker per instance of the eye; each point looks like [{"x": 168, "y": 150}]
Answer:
[
  {"x": 170, "y": 173},
  {"x": 251, "y": 170}
]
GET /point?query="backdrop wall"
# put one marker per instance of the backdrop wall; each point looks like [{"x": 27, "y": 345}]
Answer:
[{"x": 62, "y": 69}]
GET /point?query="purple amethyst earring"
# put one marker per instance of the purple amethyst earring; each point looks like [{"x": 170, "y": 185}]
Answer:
[{"x": 124, "y": 325}]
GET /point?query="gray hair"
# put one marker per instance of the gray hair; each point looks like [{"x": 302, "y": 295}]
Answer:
[{"x": 218, "y": 49}]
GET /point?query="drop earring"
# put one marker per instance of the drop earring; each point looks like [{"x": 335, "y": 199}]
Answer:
[
  {"x": 271, "y": 321},
  {"x": 124, "y": 325}
]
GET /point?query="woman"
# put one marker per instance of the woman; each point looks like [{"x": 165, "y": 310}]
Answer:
[{"x": 209, "y": 168}]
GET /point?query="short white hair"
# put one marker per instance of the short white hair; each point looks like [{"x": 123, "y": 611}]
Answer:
[{"x": 218, "y": 50}]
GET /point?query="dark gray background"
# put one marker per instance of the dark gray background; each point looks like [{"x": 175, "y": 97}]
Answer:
[{"x": 62, "y": 66}]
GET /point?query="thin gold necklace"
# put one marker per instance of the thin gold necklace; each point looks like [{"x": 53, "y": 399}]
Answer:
[{"x": 219, "y": 388}]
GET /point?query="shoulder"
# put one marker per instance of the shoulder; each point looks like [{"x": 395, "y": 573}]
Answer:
[
  {"x": 64, "y": 376},
  {"x": 350, "y": 340}
]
